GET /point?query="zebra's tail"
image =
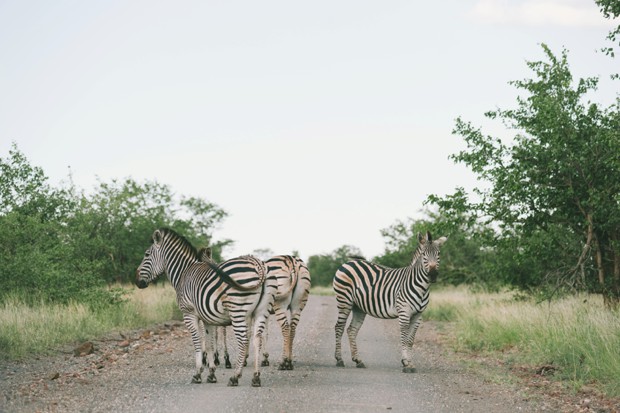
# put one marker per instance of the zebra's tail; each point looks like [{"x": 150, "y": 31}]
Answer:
[{"x": 228, "y": 279}]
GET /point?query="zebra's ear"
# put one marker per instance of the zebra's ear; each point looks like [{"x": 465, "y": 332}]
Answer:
[
  {"x": 157, "y": 236},
  {"x": 429, "y": 237},
  {"x": 205, "y": 254},
  {"x": 440, "y": 241},
  {"x": 421, "y": 238}
]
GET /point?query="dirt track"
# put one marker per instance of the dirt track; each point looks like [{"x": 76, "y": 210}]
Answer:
[{"x": 151, "y": 372}]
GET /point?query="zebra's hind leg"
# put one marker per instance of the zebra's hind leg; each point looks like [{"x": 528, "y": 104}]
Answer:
[
  {"x": 354, "y": 327},
  {"x": 265, "y": 361},
  {"x": 343, "y": 315},
  {"x": 240, "y": 328},
  {"x": 282, "y": 318}
]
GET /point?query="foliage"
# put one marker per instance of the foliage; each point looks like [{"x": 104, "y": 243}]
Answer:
[
  {"x": 554, "y": 193},
  {"x": 611, "y": 10},
  {"x": 462, "y": 258},
  {"x": 61, "y": 245},
  {"x": 323, "y": 267}
]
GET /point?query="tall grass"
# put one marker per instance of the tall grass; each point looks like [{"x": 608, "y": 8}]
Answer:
[
  {"x": 27, "y": 330},
  {"x": 577, "y": 335}
]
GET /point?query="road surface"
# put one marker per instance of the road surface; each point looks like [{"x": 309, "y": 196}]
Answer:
[{"x": 151, "y": 372}]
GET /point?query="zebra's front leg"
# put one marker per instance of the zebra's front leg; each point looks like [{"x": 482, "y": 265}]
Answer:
[
  {"x": 222, "y": 343},
  {"x": 354, "y": 327},
  {"x": 210, "y": 352},
  {"x": 408, "y": 328},
  {"x": 195, "y": 327}
]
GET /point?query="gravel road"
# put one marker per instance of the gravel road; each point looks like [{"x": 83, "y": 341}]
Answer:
[{"x": 150, "y": 371}]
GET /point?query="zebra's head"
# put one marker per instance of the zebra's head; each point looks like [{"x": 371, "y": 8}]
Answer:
[
  {"x": 429, "y": 253},
  {"x": 153, "y": 263}
]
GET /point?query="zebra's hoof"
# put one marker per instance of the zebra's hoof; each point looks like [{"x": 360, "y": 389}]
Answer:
[
  {"x": 339, "y": 363},
  {"x": 211, "y": 378},
  {"x": 228, "y": 365},
  {"x": 264, "y": 363},
  {"x": 408, "y": 369},
  {"x": 233, "y": 382},
  {"x": 196, "y": 379},
  {"x": 360, "y": 365},
  {"x": 256, "y": 380}
]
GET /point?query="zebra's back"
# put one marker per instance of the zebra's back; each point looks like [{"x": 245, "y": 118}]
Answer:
[
  {"x": 370, "y": 287},
  {"x": 204, "y": 293}
]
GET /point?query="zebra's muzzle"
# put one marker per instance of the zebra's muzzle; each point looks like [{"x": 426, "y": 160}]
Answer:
[
  {"x": 142, "y": 284},
  {"x": 432, "y": 275}
]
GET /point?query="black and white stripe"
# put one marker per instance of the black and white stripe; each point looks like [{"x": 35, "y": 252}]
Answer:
[
  {"x": 237, "y": 292},
  {"x": 363, "y": 287},
  {"x": 293, "y": 279}
]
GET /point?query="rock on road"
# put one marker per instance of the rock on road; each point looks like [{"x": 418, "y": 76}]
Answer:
[{"x": 153, "y": 374}]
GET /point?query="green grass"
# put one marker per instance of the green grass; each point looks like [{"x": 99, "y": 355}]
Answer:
[
  {"x": 322, "y": 290},
  {"x": 27, "y": 330},
  {"x": 577, "y": 335}
]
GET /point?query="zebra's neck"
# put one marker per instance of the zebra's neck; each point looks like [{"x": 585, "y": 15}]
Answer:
[
  {"x": 419, "y": 279},
  {"x": 178, "y": 258}
]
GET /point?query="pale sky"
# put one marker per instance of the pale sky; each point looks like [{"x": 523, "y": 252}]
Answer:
[{"x": 313, "y": 124}]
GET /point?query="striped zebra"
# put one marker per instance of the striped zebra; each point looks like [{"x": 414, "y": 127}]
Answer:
[
  {"x": 220, "y": 337},
  {"x": 363, "y": 287},
  {"x": 293, "y": 280},
  {"x": 237, "y": 292}
]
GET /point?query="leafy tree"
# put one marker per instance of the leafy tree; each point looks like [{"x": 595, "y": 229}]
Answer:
[
  {"x": 323, "y": 267},
  {"x": 115, "y": 224},
  {"x": 554, "y": 196},
  {"x": 61, "y": 244},
  {"x": 611, "y": 10},
  {"x": 38, "y": 261},
  {"x": 462, "y": 258}
]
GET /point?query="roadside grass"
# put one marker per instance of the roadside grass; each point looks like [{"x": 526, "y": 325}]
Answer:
[
  {"x": 27, "y": 330},
  {"x": 576, "y": 338},
  {"x": 322, "y": 290}
]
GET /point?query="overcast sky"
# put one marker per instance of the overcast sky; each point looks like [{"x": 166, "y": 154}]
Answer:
[{"x": 313, "y": 124}]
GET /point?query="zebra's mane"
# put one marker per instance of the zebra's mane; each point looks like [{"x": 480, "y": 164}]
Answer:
[
  {"x": 165, "y": 231},
  {"x": 417, "y": 253}
]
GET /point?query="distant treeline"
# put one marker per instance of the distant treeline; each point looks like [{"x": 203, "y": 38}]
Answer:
[{"x": 546, "y": 218}]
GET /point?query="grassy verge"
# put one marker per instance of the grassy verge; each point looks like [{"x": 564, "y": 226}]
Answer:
[
  {"x": 322, "y": 290},
  {"x": 576, "y": 337},
  {"x": 26, "y": 330}
]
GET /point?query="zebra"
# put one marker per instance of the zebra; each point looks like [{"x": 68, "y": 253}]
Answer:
[
  {"x": 238, "y": 292},
  {"x": 219, "y": 337},
  {"x": 363, "y": 287},
  {"x": 293, "y": 279}
]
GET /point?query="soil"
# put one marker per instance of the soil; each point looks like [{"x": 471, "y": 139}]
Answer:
[{"x": 150, "y": 370}]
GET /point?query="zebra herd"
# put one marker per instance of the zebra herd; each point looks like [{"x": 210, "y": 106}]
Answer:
[{"x": 242, "y": 292}]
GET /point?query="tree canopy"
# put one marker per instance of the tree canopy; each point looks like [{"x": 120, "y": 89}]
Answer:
[
  {"x": 553, "y": 201},
  {"x": 60, "y": 244}
]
